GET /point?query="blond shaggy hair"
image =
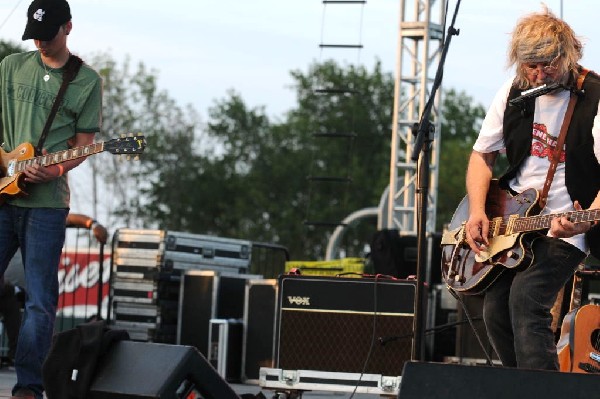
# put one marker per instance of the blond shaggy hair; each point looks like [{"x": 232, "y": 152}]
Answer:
[{"x": 542, "y": 37}]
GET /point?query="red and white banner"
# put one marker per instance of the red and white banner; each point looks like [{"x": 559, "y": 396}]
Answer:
[{"x": 78, "y": 277}]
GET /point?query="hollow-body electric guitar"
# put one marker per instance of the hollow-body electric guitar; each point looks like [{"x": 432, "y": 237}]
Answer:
[
  {"x": 513, "y": 223},
  {"x": 12, "y": 164}
]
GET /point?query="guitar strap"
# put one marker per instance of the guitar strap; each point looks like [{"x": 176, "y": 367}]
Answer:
[
  {"x": 71, "y": 69},
  {"x": 561, "y": 140}
]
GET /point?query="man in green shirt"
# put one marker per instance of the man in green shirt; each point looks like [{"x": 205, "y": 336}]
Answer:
[{"x": 35, "y": 223}]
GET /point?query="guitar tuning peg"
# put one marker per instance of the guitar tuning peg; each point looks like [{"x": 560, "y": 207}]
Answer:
[
  {"x": 136, "y": 158},
  {"x": 123, "y": 135},
  {"x": 128, "y": 157}
]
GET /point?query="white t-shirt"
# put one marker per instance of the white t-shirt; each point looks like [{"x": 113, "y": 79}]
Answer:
[{"x": 550, "y": 110}]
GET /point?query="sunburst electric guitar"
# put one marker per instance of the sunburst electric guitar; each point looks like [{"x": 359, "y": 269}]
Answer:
[
  {"x": 513, "y": 223},
  {"x": 12, "y": 164}
]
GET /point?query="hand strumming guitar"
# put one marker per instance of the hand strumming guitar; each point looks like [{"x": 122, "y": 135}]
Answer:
[{"x": 476, "y": 231}]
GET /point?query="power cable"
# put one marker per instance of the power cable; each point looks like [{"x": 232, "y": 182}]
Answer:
[{"x": 373, "y": 339}]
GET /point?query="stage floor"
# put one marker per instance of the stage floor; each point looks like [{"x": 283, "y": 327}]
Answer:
[{"x": 8, "y": 379}]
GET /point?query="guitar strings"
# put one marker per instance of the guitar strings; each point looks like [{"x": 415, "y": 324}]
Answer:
[{"x": 539, "y": 222}]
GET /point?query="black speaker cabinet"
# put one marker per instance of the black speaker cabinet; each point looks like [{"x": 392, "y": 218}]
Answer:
[
  {"x": 449, "y": 381},
  {"x": 330, "y": 324},
  {"x": 394, "y": 255},
  {"x": 259, "y": 327},
  {"x": 147, "y": 370}
]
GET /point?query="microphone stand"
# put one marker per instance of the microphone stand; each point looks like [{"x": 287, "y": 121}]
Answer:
[{"x": 424, "y": 137}]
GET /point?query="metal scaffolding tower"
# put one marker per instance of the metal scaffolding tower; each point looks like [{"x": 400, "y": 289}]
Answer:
[{"x": 420, "y": 43}]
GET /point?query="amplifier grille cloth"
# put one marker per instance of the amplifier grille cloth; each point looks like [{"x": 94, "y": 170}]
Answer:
[{"x": 340, "y": 342}]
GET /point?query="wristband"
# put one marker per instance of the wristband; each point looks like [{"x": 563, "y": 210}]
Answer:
[{"x": 61, "y": 169}]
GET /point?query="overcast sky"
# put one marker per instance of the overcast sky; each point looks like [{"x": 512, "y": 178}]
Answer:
[{"x": 202, "y": 48}]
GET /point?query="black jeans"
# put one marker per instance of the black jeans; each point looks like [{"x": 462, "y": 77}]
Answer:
[{"x": 516, "y": 308}]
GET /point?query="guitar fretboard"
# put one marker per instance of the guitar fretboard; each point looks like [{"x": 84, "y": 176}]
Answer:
[
  {"x": 540, "y": 222},
  {"x": 61, "y": 156}
]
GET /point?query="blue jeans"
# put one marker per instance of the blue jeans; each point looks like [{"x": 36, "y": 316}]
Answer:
[
  {"x": 516, "y": 308},
  {"x": 40, "y": 233}
]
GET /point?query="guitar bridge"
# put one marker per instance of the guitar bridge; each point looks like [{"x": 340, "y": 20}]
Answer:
[{"x": 589, "y": 368}]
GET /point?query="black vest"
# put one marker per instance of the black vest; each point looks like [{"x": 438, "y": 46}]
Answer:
[{"x": 582, "y": 170}]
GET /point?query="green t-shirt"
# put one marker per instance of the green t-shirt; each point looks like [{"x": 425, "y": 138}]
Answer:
[{"x": 25, "y": 102}]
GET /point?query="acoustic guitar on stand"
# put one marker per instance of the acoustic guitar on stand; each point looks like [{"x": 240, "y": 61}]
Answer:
[
  {"x": 514, "y": 224},
  {"x": 12, "y": 164},
  {"x": 579, "y": 344}
]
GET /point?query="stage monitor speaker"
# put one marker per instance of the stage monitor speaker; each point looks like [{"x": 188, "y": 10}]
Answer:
[
  {"x": 448, "y": 381},
  {"x": 147, "y": 370},
  {"x": 340, "y": 324}
]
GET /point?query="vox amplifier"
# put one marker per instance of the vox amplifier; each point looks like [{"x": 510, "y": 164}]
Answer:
[{"x": 342, "y": 324}]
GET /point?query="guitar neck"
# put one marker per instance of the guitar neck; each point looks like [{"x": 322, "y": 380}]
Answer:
[
  {"x": 541, "y": 222},
  {"x": 61, "y": 156}
]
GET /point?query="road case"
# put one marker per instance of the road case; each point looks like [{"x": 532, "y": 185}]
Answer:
[
  {"x": 146, "y": 271},
  {"x": 225, "y": 347},
  {"x": 260, "y": 308},
  {"x": 202, "y": 252},
  {"x": 205, "y": 295},
  {"x": 297, "y": 381}
]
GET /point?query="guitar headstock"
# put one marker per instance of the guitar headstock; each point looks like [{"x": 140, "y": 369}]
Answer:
[{"x": 126, "y": 145}]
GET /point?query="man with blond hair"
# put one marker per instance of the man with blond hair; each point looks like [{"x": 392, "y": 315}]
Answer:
[{"x": 545, "y": 53}]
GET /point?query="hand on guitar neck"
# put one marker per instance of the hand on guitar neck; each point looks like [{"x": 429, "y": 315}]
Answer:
[
  {"x": 562, "y": 227},
  {"x": 36, "y": 173}
]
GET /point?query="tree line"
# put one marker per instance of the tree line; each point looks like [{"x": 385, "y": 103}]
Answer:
[{"x": 242, "y": 174}]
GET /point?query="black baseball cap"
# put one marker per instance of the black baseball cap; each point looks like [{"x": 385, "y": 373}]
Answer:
[{"x": 45, "y": 17}]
